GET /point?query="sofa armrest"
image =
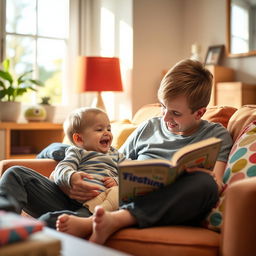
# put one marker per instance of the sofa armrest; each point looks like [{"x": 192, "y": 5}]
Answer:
[
  {"x": 239, "y": 228},
  {"x": 43, "y": 166}
]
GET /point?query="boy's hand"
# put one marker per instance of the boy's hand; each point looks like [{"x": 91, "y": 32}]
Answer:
[
  {"x": 80, "y": 189},
  {"x": 211, "y": 173},
  {"x": 109, "y": 182}
]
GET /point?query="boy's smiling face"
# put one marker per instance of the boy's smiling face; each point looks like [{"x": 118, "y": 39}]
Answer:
[{"x": 178, "y": 116}]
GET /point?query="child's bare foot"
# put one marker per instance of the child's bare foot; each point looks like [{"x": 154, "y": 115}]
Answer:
[
  {"x": 103, "y": 225},
  {"x": 73, "y": 225}
]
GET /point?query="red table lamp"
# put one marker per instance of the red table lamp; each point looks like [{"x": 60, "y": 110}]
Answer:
[{"x": 98, "y": 74}]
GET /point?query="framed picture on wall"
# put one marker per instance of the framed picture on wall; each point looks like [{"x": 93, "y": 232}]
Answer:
[{"x": 214, "y": 54}]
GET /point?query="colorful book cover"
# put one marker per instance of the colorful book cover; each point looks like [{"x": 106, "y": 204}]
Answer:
[
  {"x": 139, "y": 177},
  {"x": 14, "y": 227}
]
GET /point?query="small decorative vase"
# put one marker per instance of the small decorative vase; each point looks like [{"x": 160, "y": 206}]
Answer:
[{"x": 195, "y": 52}]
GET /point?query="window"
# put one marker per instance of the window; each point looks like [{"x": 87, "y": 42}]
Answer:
[
  {"x": 35, "y": 35},
  {"x": 48, "y": 35},
  {"x": 239, "y": 28}
]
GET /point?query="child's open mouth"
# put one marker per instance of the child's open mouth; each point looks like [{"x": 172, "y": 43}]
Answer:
[{"x": 105, "y": 142}]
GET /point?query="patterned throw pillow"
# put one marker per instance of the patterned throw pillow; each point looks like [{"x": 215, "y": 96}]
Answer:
[{"x": 241, "y": 165}]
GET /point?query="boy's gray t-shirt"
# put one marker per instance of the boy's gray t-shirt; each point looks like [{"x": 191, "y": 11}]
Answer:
[{"x": 152, "y": 139}]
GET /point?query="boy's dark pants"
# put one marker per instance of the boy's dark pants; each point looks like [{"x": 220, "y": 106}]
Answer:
[
  {"x": 38, "y": 196},
  {"x": 185, "y": 202}
]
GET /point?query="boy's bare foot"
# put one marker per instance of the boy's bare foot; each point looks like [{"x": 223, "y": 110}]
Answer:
[
  {"x": 73, "y": 225},
  {"x": 103, "y": 225}
]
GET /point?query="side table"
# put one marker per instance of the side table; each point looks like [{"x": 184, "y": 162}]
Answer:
[
  {"x": 71, "y": 245},
  {"x": 50, "y": 242}
]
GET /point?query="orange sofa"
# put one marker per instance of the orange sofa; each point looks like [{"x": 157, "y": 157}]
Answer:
[{"x": 239, "y": 228}]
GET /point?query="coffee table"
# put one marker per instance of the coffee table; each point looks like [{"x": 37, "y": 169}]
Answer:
[{"x": 79, "y": 247}]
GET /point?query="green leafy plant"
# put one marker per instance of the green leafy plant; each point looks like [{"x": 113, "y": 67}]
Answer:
[
  {"x": 45, "y": 100},
  {"x": 11, "y": 88}
]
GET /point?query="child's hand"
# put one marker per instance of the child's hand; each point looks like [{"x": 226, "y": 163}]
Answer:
[{"x": 109, "y": 182}]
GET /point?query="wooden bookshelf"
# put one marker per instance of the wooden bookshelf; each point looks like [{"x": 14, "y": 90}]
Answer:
[
  {"x": 26, "y": 140},
  {"x": 236, "y": 94},
  {"x": 220, "y": 74}
]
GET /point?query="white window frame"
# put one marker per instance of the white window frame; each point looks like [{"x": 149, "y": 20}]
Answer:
[
  {"x": 69, "y": 98},
  {"x": 35, "y": 37}
]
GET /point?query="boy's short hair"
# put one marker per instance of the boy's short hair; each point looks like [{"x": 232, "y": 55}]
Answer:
[
  {"x": 190, "y": 78},
  {"x": 77, "y": 121}
]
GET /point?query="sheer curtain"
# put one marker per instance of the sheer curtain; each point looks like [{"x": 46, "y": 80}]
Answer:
[
  {"x": 101, "y": 28},
  {"x": 79, "y": 44}
]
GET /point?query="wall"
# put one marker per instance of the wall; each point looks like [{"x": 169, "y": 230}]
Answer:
[
  {"x": 164, "y": 31},
  {"x": 157, "y": 38},
  {"x": 205, "y": 23}
]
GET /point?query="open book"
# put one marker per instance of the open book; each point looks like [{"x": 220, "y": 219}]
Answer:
[{"x": 138, "y": 177}]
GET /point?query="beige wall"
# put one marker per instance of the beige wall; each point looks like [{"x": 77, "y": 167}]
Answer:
[
  {"x": 157, "y": 37},
  {"x": 204, "y": 23},
  {"x": 164, "y": 31}
]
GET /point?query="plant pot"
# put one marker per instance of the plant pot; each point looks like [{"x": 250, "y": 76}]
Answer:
[
  {"x": 50, "y": 112},
  {"x": 9, "y": 111}
]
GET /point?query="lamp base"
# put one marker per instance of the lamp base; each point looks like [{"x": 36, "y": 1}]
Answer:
[{"x": 98, "y": 102}]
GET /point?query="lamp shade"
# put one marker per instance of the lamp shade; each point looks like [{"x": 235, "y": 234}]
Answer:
[{"x": 98, "y": 74}]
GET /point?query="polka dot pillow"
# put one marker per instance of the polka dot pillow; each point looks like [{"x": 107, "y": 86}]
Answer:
[{"x": 241, "y": 165}]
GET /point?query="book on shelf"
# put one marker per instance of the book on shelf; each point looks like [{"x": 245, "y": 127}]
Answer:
[{"x": 138, "y": 177}]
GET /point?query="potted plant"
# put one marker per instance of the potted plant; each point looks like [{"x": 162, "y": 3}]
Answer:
[
  {"x": 11, "y": 89},
  {"x": 50, "y": 109}
]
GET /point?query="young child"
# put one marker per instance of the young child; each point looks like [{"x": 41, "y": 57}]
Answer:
[
  {"x": 184, "y": 94},
  {"x": 89, "y": 130},
  {"x": 88, "y": 169}
]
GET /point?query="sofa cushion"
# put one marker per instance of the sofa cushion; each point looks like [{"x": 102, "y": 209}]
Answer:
[
  {"x": 171, "y": 240},
  {"x": 146, "y": 112},
  {"x": 219, "y": 114},
  {"x": 241, "y": 165},
  {"x": 242, "y": 159},
  {"x": 121, "y": 130},
  {"x": 241, "y": 118}
]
